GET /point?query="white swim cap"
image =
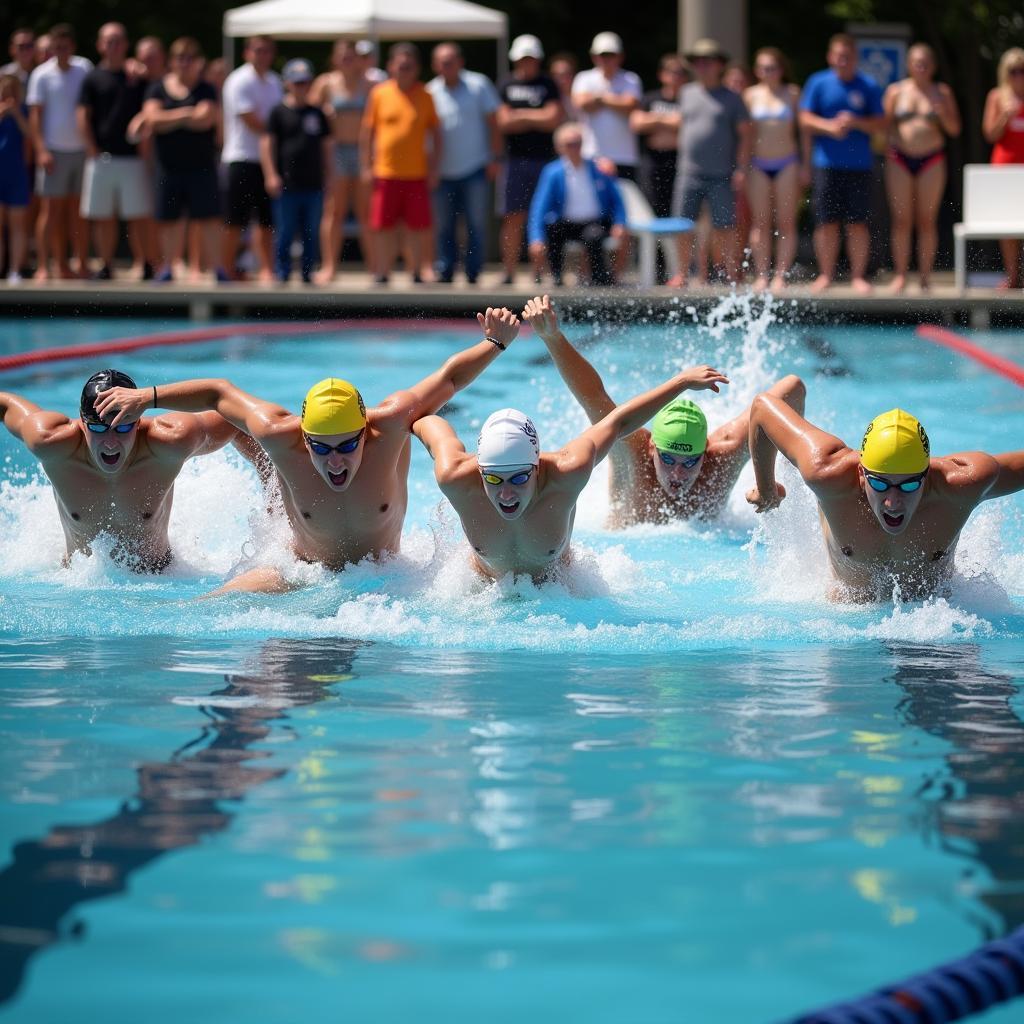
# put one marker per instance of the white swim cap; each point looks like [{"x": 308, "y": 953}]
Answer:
[{"x": 508, "y": 438}]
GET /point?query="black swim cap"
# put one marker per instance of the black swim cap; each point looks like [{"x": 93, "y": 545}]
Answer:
[{"x": 103, "y": 380}]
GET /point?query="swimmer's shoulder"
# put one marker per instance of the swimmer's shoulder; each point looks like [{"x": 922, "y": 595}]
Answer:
[
  {"x": 835, "y": 474},
  {"x": 966, "y": 475}
]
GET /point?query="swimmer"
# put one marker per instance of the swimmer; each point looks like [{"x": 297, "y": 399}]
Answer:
[
  {"x": 675, "y": 470},
  {"x": 890, "y": 513},
  {"x": 517, "y": 504},
  {"x": 114, "y": 479},
  {"x": 342, "y": 469}
]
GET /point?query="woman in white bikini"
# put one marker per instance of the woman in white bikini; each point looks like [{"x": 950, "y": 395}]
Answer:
[
  {"x": 342, "y": 94},
  {"x": 779, "y": 167},
  {"x": 920, "y": 114}
]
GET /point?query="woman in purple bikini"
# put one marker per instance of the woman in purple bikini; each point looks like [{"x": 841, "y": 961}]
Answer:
[
  {"x": 921, "y": 113},
  {"x": 779, "y": 167}
]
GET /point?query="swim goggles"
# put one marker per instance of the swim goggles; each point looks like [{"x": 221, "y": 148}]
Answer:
[
  {"x": 345, "y": 448},
  {"x": 517, "y": 479},
  {"x": 102, "y": 428},
  {"x": 881, "y": 485},
  {"x": 670, "y": 460}
]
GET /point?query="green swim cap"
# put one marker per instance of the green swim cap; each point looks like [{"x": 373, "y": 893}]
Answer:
[{"x": 680, "y": 426}]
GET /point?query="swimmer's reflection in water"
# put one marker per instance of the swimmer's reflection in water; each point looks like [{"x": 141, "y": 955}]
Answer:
[
  {"x": 177, "y": 803},
  {"x": 979, "y": 804}
]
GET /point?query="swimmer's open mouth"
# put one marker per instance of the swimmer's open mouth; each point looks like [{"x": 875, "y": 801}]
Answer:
[
  {"x": 891, "y": 520},
  {"x": 110, "y": 460},
  {"x": 337, "y": 478},
  {"x": 508, "y": 509}
]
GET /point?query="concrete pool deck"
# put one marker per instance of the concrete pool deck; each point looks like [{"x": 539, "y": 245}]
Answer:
[{"x": 354, "y": 294}]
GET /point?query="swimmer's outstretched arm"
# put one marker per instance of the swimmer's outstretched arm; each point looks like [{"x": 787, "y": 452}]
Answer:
[
  {"x": 404, "y": 408},
  {"x": 775, "y": 426},
  {"x": 173, "y": 439},
  {"x": 1010, "y": 477},
  {"x": 579, "y": 375},
  {"x": 443, "y": 445},
  {"x": 48, "y": 435}
]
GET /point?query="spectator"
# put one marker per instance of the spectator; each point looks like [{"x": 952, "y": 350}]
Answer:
[
  {"x": 714, "y": 151},
  {"x": 215, "y": 72},
  {"x": 575, "y": 201},
  {"x": 656, "y": 122},
  {"x": 366, "y": 51},
  {"x": 181, "y": 113},
  {"x": 150, "y": 54},
  {"x": 563, "y": 68},
  {"x": 737, "y": 77},
  {"x": 14, "y": 180},
  {"x": 1003, "y": 127},
  {"x": 840, "y": 108},
  {"x": 23, "y": 56},
  {"x": 921, "y": 113},
  {"x": 466, "y": 103},
  {"x": 44, "y": 48},
  {"x": 115, "y": 181},
  {"x": 529, "y": 113},
  {"x": 399, "y": 150},
  {"x": 777, "y": 173},
  {"x": 250, "y": 93},
  {"x": 53, "y": 90},
  {"x": 295, "y": 150},
  {"x": 342, "y": 94}
]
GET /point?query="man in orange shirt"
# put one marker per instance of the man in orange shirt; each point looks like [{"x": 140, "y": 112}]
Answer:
[{"x": 400, "y": 146}]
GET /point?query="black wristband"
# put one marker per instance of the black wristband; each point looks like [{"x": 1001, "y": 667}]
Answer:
[
  {"x": 494, "y": 341},
  {"x": 154, "y": 396}
]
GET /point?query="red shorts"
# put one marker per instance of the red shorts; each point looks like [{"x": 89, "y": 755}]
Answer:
[{"x": 398, "y": 199}]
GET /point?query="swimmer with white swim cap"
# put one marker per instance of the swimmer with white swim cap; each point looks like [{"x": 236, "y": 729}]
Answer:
[
  {"x": 890, "y": 512},
  {"x": 517, "y": 504},
  {"x": 116, "y": 480},
  {"x": 675, "y": 470},
  {"x": 342, "y": 469}
]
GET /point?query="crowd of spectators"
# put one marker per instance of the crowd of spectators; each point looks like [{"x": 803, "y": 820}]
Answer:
[{"x": 219, "y": 174}]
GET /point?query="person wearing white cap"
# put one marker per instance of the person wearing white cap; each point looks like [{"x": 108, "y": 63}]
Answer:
[
  {"x": 530, "y": 111},
  {"x": 533, "y": 493}
]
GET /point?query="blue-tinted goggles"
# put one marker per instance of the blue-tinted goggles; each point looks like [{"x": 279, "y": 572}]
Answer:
[
  {"x": 517, "y": 479},
  {"x": 688, "y": 461},
  {"x": 102, "y": 428},
  {"x": 880, "y": 484},
  {"x": 345, "y": 448}
]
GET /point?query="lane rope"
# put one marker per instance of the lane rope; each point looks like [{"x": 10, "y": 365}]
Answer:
[{"x": 940, "y": 336}]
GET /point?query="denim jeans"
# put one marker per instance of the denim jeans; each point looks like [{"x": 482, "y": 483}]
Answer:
[
  {"x": 468, "y": 197},
  {"x": 297, "y": 210}
]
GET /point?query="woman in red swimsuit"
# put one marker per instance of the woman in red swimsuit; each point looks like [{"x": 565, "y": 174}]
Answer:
[
  {"x": 921, "y": 113},
  {"x": 1003, "y": 126}
]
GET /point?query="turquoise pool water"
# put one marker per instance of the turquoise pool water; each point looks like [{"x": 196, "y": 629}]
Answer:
[{"x": 677, "y": 784}]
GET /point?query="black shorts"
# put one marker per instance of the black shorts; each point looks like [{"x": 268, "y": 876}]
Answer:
[
  {"x": 194, "y": 193},
  {"x": 521, "y": 176},
  {"x": 246, "y": 197},
  {"x": 841, "y": 197}
]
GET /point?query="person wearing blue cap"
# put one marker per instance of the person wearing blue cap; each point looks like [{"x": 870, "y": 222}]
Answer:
[{"x": 296, "y": 155}]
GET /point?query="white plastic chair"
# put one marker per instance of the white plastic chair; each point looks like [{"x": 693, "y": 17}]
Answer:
[
  {"x": 650, "y": 231},
  {"x": 993, "y": 208}
]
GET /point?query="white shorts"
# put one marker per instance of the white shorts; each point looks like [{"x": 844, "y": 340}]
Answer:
[{"x": 116, "y": 186}]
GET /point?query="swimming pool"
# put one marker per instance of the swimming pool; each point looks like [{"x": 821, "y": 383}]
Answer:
[{"x": 677, "y": 784}]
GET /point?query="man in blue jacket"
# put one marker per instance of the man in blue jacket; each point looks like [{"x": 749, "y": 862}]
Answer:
[{"x": 574, "y": 201}]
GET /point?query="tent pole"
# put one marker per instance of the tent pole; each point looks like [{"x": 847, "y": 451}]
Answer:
[{"x": 228, "y": 52}]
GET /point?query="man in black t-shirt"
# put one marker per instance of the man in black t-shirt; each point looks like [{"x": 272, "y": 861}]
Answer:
[
  {"x": 530, "y": 111},
  {"x": 296, "y": 155},
  {"x": 115, "y": 182},
  {"x": 657, "y": 124}
]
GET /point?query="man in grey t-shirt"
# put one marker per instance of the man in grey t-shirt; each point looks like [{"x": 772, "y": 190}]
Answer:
[{"x": 714, "y": 152}]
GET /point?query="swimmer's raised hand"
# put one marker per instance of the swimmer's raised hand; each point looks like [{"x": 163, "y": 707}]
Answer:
[
  {"x": 540, "y": 314},
  {"x": 765, "y": 503},
  {"x": 501, "y": 324},
  {"x": 703, "y": 378},
  {"x": 123, "y": 404}
]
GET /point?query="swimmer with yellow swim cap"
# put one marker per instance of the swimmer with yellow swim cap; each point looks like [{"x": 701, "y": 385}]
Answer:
[
  {"x": 517, "y": 503},
  {"x": 675, "y": 470},
  {"x": 890, "y": 512},
  {"x": 341, "y": 469}
]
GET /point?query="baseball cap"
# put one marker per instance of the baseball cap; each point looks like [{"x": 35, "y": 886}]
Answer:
[
  {"x": 606, "y": 42},
  {"x": 525, "y": 46},
  {"x": 298, "y": 70}
]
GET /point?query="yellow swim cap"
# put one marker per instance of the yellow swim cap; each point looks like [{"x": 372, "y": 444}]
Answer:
[
  {"x": 895, "y": 443},
  {"x": 333, "y": 407}
]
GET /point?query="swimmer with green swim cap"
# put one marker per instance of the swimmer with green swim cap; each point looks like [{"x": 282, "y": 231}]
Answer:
[
  {"x": 675, "y": 470},
  {"x": 890, "y": 512},
  {"x": 341, "y": 469}
]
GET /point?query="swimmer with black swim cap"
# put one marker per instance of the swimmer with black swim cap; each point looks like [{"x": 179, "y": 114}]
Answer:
[
  {"x": 675, "y": 470},
  {"x": 889, "y": 512},
  {"x": 518, "y": 504},
  {"x": 114, "y": 474},
  {"x": 341, "y": 469}
]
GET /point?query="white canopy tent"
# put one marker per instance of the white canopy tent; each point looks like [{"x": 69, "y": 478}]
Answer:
[{"x": 366, "y": 19}]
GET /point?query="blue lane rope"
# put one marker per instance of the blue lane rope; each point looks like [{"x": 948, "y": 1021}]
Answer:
[{"x": 990, "y": 975}]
